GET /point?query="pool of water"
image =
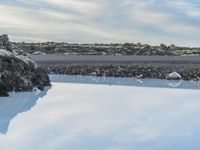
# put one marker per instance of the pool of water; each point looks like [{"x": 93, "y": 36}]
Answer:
[{"x": 94, "y": 113}]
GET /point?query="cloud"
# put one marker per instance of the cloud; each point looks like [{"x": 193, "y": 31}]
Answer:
[{"x": 146, "y": 21}]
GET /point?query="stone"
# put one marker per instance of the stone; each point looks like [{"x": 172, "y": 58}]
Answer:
[
  {"x": 173, "y": 76},
  {"x": 19, "y": 73},
  {"x": 163, "y": 46},
  {"x": 4, "y": 42},
  {"x": 172, "y": 47}
]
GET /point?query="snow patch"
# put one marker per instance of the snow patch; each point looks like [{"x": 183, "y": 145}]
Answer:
[{"x": 26, "y": 60}]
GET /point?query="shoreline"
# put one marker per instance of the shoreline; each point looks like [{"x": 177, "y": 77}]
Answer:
[
  {"x": 156, "y": 71},
  {"x": 123, "y": 81},
  {"x": 156, "y": 67}
]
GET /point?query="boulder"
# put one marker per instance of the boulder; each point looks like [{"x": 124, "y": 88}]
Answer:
[
  {"x": 4, "y": 42},
  {"x": 163, "y": 46},
  {"x": 173, "y": 76},
  {"x": 19, "y": 73},
  {"x": 172, "y": 47}
]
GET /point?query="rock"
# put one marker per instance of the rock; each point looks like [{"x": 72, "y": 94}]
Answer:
[
  {"x": 163, "y": 46},
  {"x": 173, "y": 76},
  {"x": 139, "y": 76},
  {"x": 4, "y": 42},
  {"x": 93, "y": 74},
  {"x": 38, "y": 53},
  {"x": 172, "y": 47},
  {"x": 19, "y": 73},
  {"x": 3, "y": 90}
]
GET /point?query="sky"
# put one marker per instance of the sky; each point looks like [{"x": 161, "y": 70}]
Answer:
[{"x": 102, "y": 21}]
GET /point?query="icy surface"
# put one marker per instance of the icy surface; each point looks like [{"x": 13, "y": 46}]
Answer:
[{"x": 80, "y": 116}]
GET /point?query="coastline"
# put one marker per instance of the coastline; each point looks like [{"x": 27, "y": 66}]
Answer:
[{"x": 112, "y": 66}]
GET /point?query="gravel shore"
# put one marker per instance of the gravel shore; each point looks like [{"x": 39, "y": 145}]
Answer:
[
  {"x": 157, "y": 71},
  {"x": 157, "y": 67}
]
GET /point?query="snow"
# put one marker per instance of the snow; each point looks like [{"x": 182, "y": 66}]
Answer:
[
  {"x": 26, "y": 60},
  {"x": 6, "y": 53}
]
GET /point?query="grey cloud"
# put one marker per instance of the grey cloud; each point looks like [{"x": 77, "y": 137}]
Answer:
[{"x": 146, "y": 21}]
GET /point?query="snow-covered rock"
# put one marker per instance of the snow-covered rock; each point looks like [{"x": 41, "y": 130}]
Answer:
[
  {"x": 20, "y": 73},
  {"x": 38, "y": 53},
  {"x": 173, "y": 76}
]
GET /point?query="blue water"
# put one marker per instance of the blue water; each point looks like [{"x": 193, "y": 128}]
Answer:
[{"x": 94, "y": 113}]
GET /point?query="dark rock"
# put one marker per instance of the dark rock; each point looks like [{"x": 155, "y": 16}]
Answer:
[
  {"x": 3, "y": 89},
  {"x": 172, "y": 47},
  {"x": 4, "y": 42},
  {"x": 163, "y": 46},
  {"x": 19, "y": 73}
]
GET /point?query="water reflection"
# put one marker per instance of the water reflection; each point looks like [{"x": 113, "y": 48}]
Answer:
[
  {"x": 17, "y": 103},
  {"x": 101, "y": 117},
  {"x": 126, "y": 81}
]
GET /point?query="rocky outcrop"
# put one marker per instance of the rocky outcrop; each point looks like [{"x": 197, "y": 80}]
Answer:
[
  {"x": 4, "y": 42},
  {"x": 19, "y": 73}
]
